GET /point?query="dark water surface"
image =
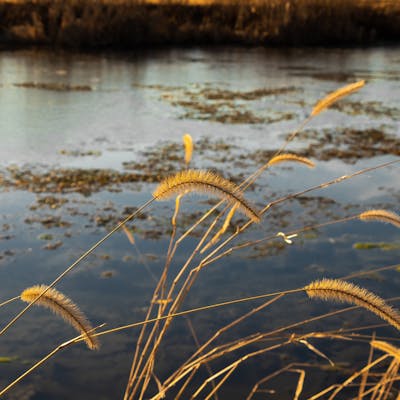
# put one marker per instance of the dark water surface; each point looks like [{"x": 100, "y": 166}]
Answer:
[{"x": 127, "y": 114}]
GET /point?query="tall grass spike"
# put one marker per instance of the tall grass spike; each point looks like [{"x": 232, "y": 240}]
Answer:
[
  {"x": 188, "y": 144},
  {"x": 335, "y": 96},
  {"x": 381, "y": 216},
  {"x": 205, "y": 182},
  {"x": 289, "y": 157},
  {"x": 346, "y": 292},
  {"x": 64, "y": 307}
]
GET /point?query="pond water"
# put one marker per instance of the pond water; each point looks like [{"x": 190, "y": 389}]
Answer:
[{"x": 85, "y": 138}]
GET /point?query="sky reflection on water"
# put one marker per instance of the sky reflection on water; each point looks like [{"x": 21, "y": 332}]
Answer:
[{"x": 126, "y": 113}]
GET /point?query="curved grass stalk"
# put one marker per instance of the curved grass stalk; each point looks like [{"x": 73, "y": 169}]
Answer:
[
  {"x": 212, "y": 256},
  {"x": 38, "y": 364},
  {"x": 189, "y": 282},
  {"x": 145, "y": 322},
  {"x": 218, "y": 334},
  {"x": 4, "y": 303},
  {"x": 157, "y": 342},
  {"x": 260, "y": 170},
  {"x": 75, "y": 263},
  {"x": 387, "y": 348},
  {"x": 353, "y": 377},
  {"x": 245, "y": 184}
]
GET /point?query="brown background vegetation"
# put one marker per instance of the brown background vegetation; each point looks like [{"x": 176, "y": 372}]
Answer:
[{"x": 130, "y": 24}]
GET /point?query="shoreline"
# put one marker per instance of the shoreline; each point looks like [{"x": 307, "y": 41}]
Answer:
[{"x": 129, "y": 25}]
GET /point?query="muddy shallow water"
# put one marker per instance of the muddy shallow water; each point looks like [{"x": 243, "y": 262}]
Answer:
[{"x": 85, "y": 139}]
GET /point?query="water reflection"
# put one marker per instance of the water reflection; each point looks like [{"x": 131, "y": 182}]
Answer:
[{"x": 133, "y": 107}]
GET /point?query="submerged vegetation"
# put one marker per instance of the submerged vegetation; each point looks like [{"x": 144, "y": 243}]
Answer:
[
  {"x": 129, "y": 24},
  {"x": 211, "y": 366}
]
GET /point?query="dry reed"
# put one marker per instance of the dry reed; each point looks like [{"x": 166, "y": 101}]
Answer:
[
  {"x": 223, "y": 229},
  {"x": 61, "y": 305},
  {"x": 387, "y": 348}
]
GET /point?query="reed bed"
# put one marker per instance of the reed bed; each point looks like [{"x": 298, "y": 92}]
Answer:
[
  {"x": 211, "y": 366},
  {"x": 137, "y": 23}
]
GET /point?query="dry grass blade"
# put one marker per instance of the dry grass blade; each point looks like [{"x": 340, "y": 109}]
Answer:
[
  {"x": 364, "y": 376},
  {"x": 335, "y": 96},
  {"x": 381, "y": 216},
  {"x": 346, "y": 292},
  {"x": 177, "y": 205},
  {"x": 63, "y": 306},
  {"x": 128, "y": 234},
  {"x": 205, "y": 182},
  {"x": 188, "y": 144},
  {"x": 387, "y": 348},
  {"x": 289, "y": 157},
  {"x": 316, "y": 351},
  {"x": 223, "y": 229},
  {"x": 300, "y": 382}
]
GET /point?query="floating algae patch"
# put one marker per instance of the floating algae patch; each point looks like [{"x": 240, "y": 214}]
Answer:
[
  {"x": 53, "y": 245},
  {"x": 348, "y": 76},
  {"x": 80, "y": 153},
  {"x": 54, "y": 86},
  {"x": 376, "y": 245},
  {"x": 51, "y": 202},
  {"x": 203, "y": 102},
  {"x": 347, "y": 145},
  {"x": 223, "y": 94},
  {"x": 45, "y": 236},
  {"x": 167, "y": 158},
  {"x": 374, "y": 109},
  {"x": 48, "y": 221},
  {"x": 69, "y": 180}
]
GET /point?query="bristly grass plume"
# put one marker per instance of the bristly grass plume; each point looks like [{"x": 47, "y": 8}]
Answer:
[
  {"x": 188, "y": 144},
  {"x": 64, "y": 307},
  {"x": 381, "y": 216},
  {"x": 289, "y": 157},
  {"x": 205, "y": 182},
  {"x": 335, "y": 96},
  {"x": 346, "y": 292}
]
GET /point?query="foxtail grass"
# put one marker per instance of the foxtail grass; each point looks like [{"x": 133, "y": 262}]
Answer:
[
  {"x": 188, "y": 145},
  {"x": 335, "y": 96},
  {"x": 61, "y": 305},
  {"x": 345, "y": 292},
  {"x": 288, "y": 157},
  {"x": 205, "y": 182},
  {"x": 381, "y": 216}
]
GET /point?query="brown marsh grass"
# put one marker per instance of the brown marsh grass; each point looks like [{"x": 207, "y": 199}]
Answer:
[
  {"x": 135, "y": 23},
  {"x": 222, "y": 358}
]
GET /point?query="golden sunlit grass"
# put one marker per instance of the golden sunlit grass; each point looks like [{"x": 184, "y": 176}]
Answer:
[{"x": 220, "y": 359}]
